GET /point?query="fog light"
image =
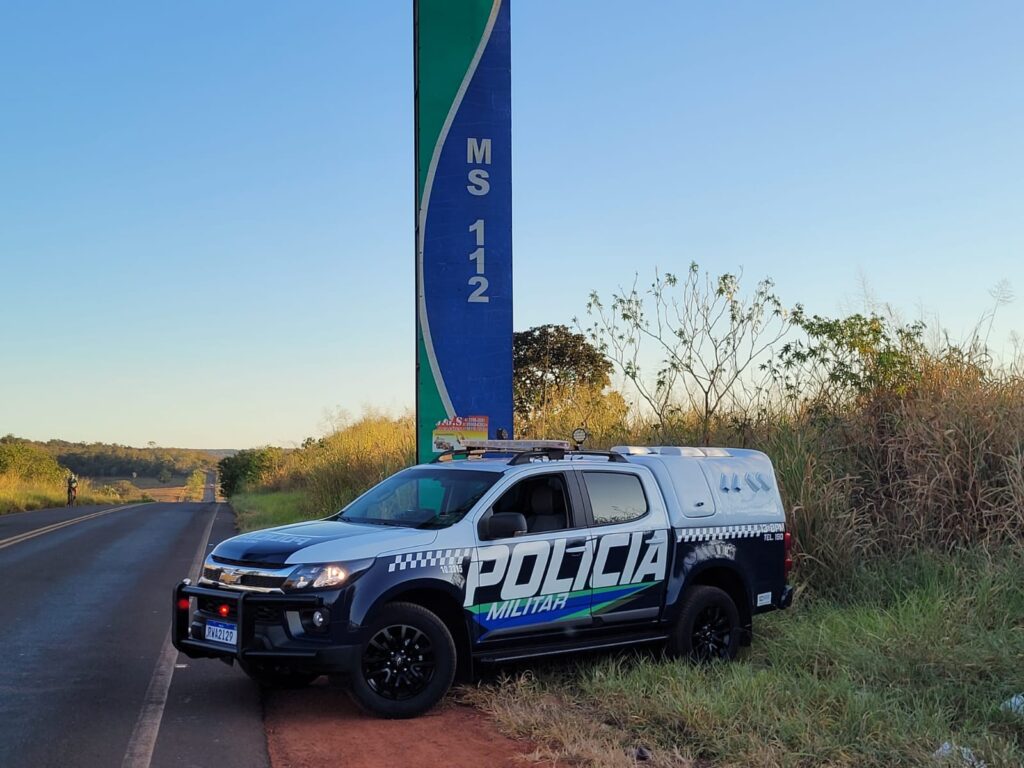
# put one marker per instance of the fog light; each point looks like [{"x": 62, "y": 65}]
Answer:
[{"x": 319, "y": 619}]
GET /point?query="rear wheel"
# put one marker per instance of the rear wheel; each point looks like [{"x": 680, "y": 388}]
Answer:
[
  {"x": 708, "y": 627},
  {"x": 277, "y": 675},
  {"x": 407, "y": 665}
]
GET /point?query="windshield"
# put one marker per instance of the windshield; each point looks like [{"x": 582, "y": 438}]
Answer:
[{"x": 421, "y": 497}]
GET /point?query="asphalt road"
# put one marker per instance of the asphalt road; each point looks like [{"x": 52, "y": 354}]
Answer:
[{"x": 88, "y": 677}]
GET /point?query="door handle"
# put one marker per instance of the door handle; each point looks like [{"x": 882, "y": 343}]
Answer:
[
  {"x": 655, "y": 537},
  {"x": 576, "y": 546}
]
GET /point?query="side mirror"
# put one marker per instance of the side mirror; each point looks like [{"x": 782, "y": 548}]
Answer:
[{"x": 505, "y": 525}]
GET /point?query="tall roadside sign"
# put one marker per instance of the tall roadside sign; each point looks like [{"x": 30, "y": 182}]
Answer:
[{"x": 463, "y": 222}]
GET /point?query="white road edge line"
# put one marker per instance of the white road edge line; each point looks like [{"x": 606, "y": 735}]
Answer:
[{"x": 143, "y": 739}]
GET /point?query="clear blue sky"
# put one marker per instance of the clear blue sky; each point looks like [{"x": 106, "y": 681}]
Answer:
[{"x": 206, "y": 208}]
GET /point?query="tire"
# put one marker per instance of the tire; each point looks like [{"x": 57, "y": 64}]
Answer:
[
  {"x": 277, "y": 676},
  {"x": 407, "y": 664},
  {"x": 708, "y": 627}
]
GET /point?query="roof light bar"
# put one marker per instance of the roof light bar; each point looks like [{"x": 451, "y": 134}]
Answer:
[{"x": 513, "y": 446}]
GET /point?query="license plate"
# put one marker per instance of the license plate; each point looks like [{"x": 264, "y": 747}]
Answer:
[{"x": 221, "y": 632}]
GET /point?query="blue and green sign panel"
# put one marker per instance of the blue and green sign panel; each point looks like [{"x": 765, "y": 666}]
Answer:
[{"x": 463, "y": 222}]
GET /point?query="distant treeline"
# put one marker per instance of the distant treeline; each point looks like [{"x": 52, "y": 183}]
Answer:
[{"x": 106, "y": 460}]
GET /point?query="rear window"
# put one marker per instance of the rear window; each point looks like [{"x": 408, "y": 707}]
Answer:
[{"x": 615, "y": 497}]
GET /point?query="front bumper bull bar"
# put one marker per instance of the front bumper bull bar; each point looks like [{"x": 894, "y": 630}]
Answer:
[{"x": 249, "y": 648}]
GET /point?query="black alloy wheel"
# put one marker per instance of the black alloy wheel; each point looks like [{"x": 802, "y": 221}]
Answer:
[
  {"x": 407, "y": 665},
  {"x": 708, "y": 627},
  {"x": 711, "y": 635},
  {"x": 399, "y": 662}
]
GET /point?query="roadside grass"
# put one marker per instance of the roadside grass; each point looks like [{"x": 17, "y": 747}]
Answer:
[
  {"x": 19, "y": 495},
  {"x": 142, "y": 483},
  {"x": 170, "y": 493},
  {"x": 124, "y": 488},
  {"x": 254, "y": 511},
  {"x": 917, "y": 653}
]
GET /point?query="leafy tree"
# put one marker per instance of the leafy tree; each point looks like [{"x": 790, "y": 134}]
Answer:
[
  {"x": 843, "y": 358},
  {"x": 707, "y": 336},
  {"x": 195, "y": 485},
  {"x": 247, "y": 467},
  {"x": 602, "y": 411},
  {"x": 103, "y": 460},
  {"x": 552, "y": 358},
  {"x": 28, "y": 462}
]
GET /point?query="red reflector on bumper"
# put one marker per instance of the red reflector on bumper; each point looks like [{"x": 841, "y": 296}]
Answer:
[
  {"x": 183, "y": 604},
  {"x": 223, "y": 610}
]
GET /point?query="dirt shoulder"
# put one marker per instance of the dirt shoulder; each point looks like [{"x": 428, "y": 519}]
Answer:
[{"x": 320, "y": 726}]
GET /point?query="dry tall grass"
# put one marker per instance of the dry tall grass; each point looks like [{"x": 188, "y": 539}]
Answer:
[
  {"x": 949, "y": 457},
  {"x": 337, "y": 468},
  {"x": 20, "y": 495}
]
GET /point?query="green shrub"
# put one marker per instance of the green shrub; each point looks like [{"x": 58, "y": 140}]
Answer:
[
  {"x": 250, "y": 467},
  {"x": 29, "y": 462}
]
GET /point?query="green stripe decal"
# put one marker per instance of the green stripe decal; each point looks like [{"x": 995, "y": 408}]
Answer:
[
  {"x": 428, "y": 401},
  {"x": 448, "y": 36},
  {"x": 597, "y": 605}
]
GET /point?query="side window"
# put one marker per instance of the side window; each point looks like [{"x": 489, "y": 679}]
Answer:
[
  {"x": 542, "y": 499},
  {"x": 615, "y": 497}
]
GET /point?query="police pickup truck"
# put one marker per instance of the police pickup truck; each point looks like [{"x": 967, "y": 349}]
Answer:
[{"x": 481, "y": 558}]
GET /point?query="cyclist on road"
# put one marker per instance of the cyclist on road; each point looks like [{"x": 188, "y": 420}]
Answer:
[{"x": 72, "y": 489}]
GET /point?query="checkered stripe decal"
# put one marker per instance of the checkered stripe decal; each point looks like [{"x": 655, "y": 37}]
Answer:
[
  {"x": 729, "y": 531},
  {"x": 429, "y": 559}
]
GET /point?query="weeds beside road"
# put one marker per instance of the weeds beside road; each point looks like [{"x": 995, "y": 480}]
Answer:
[
  {"x": 265, "y": 510},
  {"x": 18, "y": 495},
  {"x": 32, "y": 479}
]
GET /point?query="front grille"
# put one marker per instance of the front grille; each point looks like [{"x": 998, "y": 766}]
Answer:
[
  {"x": 239, "y": 577},
  {"x": 256, "y": 580},
  {"x": 247, "y": 563}
]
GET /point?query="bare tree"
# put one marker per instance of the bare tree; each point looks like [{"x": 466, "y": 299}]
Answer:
[{"x": 708, "y": 337}]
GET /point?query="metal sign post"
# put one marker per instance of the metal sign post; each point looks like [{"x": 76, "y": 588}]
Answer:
[{"x": 463, "y": 222}]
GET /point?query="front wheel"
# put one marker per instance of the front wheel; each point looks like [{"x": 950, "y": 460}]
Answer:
[
  {"x": 407, "y": 665},
  {"x": 708, "y": 627}
]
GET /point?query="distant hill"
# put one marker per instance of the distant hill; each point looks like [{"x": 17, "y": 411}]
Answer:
[
  {"x": 218, "y": 453},
  {"x": 113, "y": 460}
]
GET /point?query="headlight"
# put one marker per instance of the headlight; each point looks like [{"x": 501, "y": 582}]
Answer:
[{"x": 316, "y": 577}]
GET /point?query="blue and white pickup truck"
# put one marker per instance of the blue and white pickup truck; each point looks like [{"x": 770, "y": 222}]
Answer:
[{"x": 478, "y": 558}]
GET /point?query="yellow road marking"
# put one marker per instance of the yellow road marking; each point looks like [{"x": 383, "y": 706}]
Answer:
[{"x": 11, "y": 541}]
